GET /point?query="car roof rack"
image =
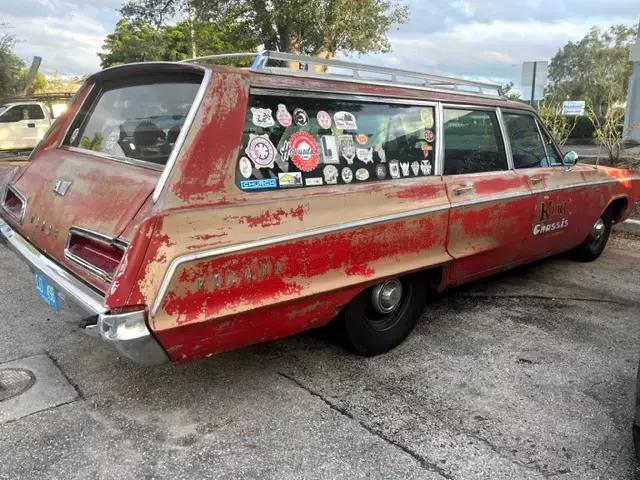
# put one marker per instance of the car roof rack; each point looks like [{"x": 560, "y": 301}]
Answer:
[{"x": 316, "y": 67}]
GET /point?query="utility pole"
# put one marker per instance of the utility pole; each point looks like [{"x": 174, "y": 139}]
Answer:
[
  {"x": 533, "y": 84},
  {"x": 632, "y": 117}
]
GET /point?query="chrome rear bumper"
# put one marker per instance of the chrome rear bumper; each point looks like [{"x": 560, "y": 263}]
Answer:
[{"x": 126, "y": 332}]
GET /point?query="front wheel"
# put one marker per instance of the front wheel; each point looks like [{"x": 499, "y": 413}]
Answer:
[
  {"x": 594, "y": 244},
  {"x": 382, "y": 316}
]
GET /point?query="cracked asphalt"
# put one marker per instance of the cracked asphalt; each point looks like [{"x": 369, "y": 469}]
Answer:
[{"x": 529, "y": 374}]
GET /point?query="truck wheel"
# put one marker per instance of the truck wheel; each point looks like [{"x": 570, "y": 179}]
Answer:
[
  {"x": 594, "y": 244},
  {"x": 382, "y": 316}
]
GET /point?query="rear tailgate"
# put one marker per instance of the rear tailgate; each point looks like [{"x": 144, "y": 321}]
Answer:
[{"x": 89, "y": 183}]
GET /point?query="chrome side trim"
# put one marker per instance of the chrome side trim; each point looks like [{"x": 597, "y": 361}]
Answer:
[
  {"x": 265, "y": 242},
  {"x": 505, "y": 139},
  {"x": 22, "y": 199},
  {"x": 83, "y": 232},
  {"x": 176, "y": 262},
  {"x": 75, "y": 114},
  {"x": 493, "y": 198},
  {"x": 439, "y": 155},
  {"x": 184, "y": 131},
  {"x": 129, "y": 161},
  {"x": 73, "y": 291}
]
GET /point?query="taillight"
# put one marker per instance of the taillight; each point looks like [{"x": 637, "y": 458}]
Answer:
[
  {"x": 14, "y": 203},
  {"x": 100, "y": 255}
]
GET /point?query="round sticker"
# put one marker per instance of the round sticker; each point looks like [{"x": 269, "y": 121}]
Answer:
[
  {"x": 362, "y": 139},
  {"x": 246, "y": 170},
  {"x": 381, "y": 171},
  {"x": 304, "y": 152},
  {"x": 74, "y": 135},
  {"x": 261, "y": 151},
  {"x": 324, "y": 119},
  {"x": 284, "y": 117},
  {"x": 112, "y": 140},
  {"x": 426, "y": 115},
  {"x": 429, "y": 136},
  {"x": 347, "y": 175},
  {"x": 300, "y": 117},
  {"x": 362, "y": 174}
]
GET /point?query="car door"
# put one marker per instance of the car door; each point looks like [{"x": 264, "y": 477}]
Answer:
[
  {"x": 558, "y": 219},
  {"x": 37, "y": 124},
  {"x": 13, "y": 129},
  {"x": 491, "y": 211}
]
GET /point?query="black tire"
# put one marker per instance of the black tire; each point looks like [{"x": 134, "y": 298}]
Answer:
[
  {"x": 593, "y": 247},
  {"x": 371, "y": 333}
]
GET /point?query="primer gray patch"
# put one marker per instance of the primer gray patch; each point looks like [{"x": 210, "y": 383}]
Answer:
[{"x": 50, "y": 388}]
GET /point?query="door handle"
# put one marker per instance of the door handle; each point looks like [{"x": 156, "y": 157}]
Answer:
[
  {"x": 460, "y": 190},
  {"x": 535, "y": 181},
  {"x": 31, "y": 125}
]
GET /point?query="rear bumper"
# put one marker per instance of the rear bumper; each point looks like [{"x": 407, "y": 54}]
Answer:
[{"x": 127, "y": 332}]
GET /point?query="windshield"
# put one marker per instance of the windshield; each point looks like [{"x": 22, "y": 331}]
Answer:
[{"x": 3, "y": 108}]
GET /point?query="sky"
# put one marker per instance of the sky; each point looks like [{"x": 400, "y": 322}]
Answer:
[{"x": 486, "y": 40}]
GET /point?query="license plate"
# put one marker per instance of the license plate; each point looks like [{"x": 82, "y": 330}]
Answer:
[{"x": 46, "y": 292}]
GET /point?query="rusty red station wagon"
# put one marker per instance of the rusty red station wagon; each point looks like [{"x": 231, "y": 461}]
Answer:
[{"x": 186, "y": 209}]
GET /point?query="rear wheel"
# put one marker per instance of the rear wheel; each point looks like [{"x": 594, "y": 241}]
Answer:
[
  {"x": 382, "y": 316},
  {"x": 594, "y": 244}
]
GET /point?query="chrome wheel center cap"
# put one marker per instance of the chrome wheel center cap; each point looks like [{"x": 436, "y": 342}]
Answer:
[
  {"x": 598, "y": 229},
  {"x": 386, "y": 296}
]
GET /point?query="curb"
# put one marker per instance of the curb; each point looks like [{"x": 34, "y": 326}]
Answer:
[{"x": 628, "y": 226}]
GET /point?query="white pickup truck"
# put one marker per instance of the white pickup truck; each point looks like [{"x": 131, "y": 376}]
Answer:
[{"x": 23, "y": 124}]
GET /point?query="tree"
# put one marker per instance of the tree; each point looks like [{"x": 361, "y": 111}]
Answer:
[
  {"x": 508, "y": 91},
  {"x": 320, "y": 27},
  {"x": 560, "y": 126},
  {"x": 588, "y": 69},
  {"x": 10, "y": 63},
  {"x": 138, "y": 40}
]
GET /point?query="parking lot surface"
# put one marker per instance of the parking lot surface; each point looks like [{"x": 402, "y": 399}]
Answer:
[{"x": 529, "y": 374}]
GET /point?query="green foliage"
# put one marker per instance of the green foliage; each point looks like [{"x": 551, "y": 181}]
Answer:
[
  {"x": 584, "y": 129},
  {"x": 10, "y": 64},
  {"x": 510, "y": 93},
  {"x": 593, "y": 67},
  {"x": 560, "y": 126},
  {"x": 137, "y": 41},
  {"x": 321, "y": 27},
  {"x": 94, "y": 143}
]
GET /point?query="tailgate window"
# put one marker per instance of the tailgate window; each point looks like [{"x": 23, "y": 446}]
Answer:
[{"x": 137, "y": 120}]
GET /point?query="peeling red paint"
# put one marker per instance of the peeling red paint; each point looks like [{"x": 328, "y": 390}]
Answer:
[
  {"x": 361, "y": 270},
  {"x": 270, "y": 219}
]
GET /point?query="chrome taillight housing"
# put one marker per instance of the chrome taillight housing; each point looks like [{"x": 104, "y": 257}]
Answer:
[
  {"x": 14, "y": 203},
  {"x": 98, "y": 254}
]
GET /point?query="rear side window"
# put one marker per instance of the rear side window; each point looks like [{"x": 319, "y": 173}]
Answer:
[
  {"x": 527, "y": 145},
  {"x": 139, "y": 121},
  {"x": 472, "y": 142},
  {"x": 34, "y": 112},
  {"x": 307, "y": 142}
]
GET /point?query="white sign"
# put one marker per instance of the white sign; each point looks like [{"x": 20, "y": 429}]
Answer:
[{"x": 573, "y": 108}]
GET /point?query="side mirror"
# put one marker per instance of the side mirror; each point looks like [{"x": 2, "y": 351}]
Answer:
[{"x": 570, "y": 159}]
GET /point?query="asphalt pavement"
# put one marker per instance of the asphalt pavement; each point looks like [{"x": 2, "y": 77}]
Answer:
[{"x": 527, "y": 375}]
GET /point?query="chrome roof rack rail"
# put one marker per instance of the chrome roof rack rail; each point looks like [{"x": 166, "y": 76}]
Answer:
[{"x": 359, "y": 73}]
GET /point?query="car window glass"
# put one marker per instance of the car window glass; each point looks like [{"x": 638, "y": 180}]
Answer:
[
  {"x": 307, "y": 142},
  {"x": 472, "y": 142},
  {"x": 12, "y": 115},
  {"x": 140, "y": 121},
  {"x": 553, "y": 155},
  {"x": 526, "y": 144},
  {"x": 34, "y": 112}
]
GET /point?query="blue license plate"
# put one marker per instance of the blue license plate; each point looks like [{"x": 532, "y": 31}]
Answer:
[{"x": 46, "y": 292}]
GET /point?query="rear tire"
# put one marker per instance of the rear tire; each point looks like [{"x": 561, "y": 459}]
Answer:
[
  {"x": 372, "y": 331},
  {"x": 594, "y": 244}
]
